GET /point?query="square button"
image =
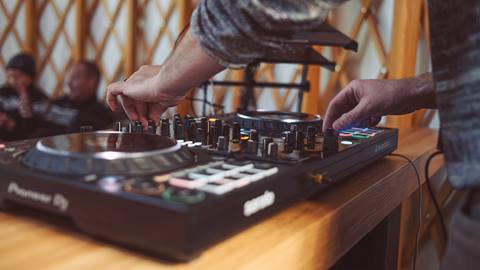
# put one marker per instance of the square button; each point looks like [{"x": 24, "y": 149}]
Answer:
[
  {"x": 238, "y": 167},
  {"x": 214, "y": 171},
  {"x": 345, "y": 135},
  {"x": 203, "y": 175},
  {"x": 218, "y": 187},
  {"x": 249, "y": 176},
  {"x": 240, "y": 180},
  {"x": 187, "y": 182}
]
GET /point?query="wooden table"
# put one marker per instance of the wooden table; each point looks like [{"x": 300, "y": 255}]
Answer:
[{"x": 312, "y": 234}]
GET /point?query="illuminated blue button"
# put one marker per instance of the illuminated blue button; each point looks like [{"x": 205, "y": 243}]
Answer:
[
  {"x": 111, "y": 183},
  {"x": 359, "y": 129}
]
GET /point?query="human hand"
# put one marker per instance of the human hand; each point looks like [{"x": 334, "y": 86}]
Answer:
[
  {"x": 6, "y": 122},
  {"x": 25, "y": 106},
  {"x": 364, "y": 100},
  {"x": 152, "y": 89},
  {"x": 141, "y": 96}
]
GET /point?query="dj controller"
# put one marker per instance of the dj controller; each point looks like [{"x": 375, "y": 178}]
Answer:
[{"x": 175, "y": 187}]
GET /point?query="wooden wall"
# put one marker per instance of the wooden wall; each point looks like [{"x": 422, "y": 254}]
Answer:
[{"x": 121, "y": 35}]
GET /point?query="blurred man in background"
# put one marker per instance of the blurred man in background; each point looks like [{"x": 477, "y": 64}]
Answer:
[
  {"x": 79, "y": 107},
  {"x": 21, "y": 102}
]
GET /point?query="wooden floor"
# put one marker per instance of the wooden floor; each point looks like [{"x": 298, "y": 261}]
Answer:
[{"x": 312, "y": 234}]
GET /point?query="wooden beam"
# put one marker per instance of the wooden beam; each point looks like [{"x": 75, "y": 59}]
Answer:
[
  {"x": 11, "y": 19},
  {"x": 185, "y": 9},
  {"x": 80, "y": 30},
  {"x": 237, "y": 75},
  {"x": 424, "y": 117},
  {"x": 403, "y": 53},
  {"x": 402, "y": 64},
  {"x": 58, "y": 30},
  {"x": 311, "y": 98},
  {"x": 149, "y": 52},
  {"x": 29, "y": 45},
  {"x": 377, "y": 39},
  {"x": 341, "y": 59},
  {"x": 130, "y": 50}
]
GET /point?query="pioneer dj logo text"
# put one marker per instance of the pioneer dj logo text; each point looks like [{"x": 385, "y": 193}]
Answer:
[
  {"x": 261, "y": 202},
  {"x": 56, "y": 200}
]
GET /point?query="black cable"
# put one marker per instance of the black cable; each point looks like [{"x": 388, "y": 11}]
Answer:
[
  {"x": 205, "y": 100},
  {"x": 432, "y": 195},
  {"x": 420, "y": 198},
  {"x": 192, "y": 107},
  {"x": 181, "y": 35}
]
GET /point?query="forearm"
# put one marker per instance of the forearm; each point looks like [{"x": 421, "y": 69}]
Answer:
[
  {"x": 422, "y": 91},
  {"x": 223, "y": 33},
  {"x": 187, "y": 67},
  {"x": 218, "y": 39}
]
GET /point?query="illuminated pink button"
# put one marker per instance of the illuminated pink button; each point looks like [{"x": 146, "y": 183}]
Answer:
[
  {"x": 241, "y": 183},
  {"x": 345, "y": 135},
  {"x": 186, "y": 183},
  {"x": 223, "y": 181}
]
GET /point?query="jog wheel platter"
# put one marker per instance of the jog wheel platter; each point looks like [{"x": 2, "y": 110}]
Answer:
[
  {"x": 274, "y": 122},
  {"x": 107, "y": 153}
]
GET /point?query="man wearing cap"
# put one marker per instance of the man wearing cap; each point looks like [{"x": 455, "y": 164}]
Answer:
[
  {"x": 79, "y": 107},
  {"x": 21, "y": 102}
]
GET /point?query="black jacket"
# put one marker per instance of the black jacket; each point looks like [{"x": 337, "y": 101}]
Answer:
[
  {"x": 25, "y": 127},
  {"x": 66, "y": 116}
]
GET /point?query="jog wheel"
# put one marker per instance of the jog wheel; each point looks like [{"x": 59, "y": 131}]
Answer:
[
  {"x": 275, "y": 122},
  {"x": 107, "y": 153}
]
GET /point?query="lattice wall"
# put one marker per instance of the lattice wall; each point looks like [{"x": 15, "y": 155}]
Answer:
[
  {"x": 103, "y": 30},
  {"x": 55, "y": 42},
  {"x": 103, "y": 38},
  {"x": 159, "y": 21},
  {"x": 106, "y": 38},
  {"x": 12, "y": 32},
  {"x": 156, "y": 29}
]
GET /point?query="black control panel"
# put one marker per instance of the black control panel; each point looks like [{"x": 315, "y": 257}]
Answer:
[{"x": 180, "y": 185}]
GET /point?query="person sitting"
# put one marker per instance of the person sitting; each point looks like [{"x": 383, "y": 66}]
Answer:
[
  {"x": 79, "y": 107},
  {"x": 21, "y": 102}
]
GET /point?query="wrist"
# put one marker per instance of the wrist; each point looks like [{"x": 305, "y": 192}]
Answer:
[
  {"x": 422, "y": 91},
  {"x": 188, "y": 66},
  {"x": 162, "y": 82}
]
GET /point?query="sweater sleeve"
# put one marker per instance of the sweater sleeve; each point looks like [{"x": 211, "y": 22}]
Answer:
[{"x": 237, "y": 32}]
